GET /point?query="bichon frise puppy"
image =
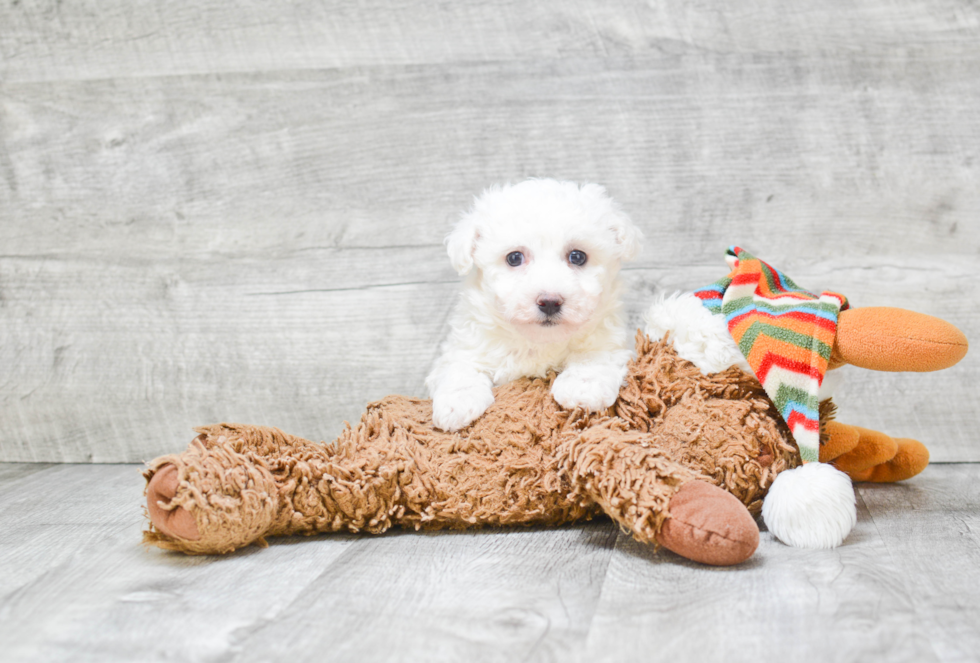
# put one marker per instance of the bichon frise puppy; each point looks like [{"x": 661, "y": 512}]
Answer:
[{"x": 542, "y": 293}]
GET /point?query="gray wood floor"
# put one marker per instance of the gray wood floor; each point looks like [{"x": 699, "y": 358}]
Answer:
[{"x": 77, "y": 585}]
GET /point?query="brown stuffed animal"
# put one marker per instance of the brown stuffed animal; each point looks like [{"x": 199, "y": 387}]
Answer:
[{"x": 683, "y": 459}]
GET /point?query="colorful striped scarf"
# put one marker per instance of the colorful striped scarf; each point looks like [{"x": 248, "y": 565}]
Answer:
[{"x": 785, "y": 333}]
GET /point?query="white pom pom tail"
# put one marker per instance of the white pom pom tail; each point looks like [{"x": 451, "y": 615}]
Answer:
[{"x": 812, "y": 506}]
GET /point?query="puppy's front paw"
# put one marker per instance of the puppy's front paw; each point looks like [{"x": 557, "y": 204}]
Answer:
[
  {"x": 593, "y": 388},
  {"x": 452, "y": 410}
]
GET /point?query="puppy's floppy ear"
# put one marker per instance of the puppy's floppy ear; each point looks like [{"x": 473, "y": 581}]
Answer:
[
  {"x": 461, "y": 243},
  {"x": 629, "y": 238}
]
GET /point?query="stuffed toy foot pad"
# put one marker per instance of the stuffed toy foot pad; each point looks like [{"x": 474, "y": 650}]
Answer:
[
  {"x": 172, "y": 520},
  {"x": 709, "y": 525},
  {"x": 209, "y": 500}
]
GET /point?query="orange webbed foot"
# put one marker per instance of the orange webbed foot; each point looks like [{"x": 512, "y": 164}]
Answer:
[
  {"x": 911, "y": 458},
  {"x": 868, "y": 455},
  {"x": 837, "y": 439}
]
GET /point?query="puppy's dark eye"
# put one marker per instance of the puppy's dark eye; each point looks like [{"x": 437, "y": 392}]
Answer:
[
  {"x": 577, "y": 257},
  {"x": 515, "y": 259}
]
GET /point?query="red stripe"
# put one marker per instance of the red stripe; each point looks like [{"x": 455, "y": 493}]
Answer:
[
  {"x": 745, "y": 278},
  {"x": 767, "y": 293},
  {"x": 797, "y": 418},
  {"x": 733, "y": 323},
  {"x": 815, "y": 320},
  {"x": 771, "y": 359}
]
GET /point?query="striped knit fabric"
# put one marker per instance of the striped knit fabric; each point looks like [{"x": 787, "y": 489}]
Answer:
[{"x": 785, "y": 333}]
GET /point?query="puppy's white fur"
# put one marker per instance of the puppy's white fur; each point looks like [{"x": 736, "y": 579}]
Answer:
[{"x": 499, "y": 332}]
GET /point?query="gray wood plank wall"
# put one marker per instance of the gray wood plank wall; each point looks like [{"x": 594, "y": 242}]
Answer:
[{"x": 226, "y": 211}]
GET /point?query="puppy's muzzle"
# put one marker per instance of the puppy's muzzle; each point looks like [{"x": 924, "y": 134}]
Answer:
[{"x": 550, "y": 305}]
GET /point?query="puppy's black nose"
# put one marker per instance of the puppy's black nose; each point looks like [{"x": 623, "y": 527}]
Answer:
[{"x": 549, "y": 305}]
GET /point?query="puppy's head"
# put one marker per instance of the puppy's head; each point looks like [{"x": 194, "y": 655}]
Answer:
[{"x": 545, "y": 253}]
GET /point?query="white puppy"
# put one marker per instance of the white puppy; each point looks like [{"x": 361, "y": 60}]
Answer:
[{"x": 542, "y": 293}]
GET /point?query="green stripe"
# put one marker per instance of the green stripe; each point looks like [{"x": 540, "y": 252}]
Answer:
[
  {"x": 773, "y": 280},
  {"x": 786, "y": 335},
  {"x": 809, "y": 455},
  {"x": 787, "y": 393},
  {"x": 770, "y": 279},
  {"x": 736, "y": 304},
  {"x": 789, "y": 306},
  {"x": 759, "y": 303}
]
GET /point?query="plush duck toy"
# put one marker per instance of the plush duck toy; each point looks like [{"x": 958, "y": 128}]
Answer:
[{"x": 712, "y": 416}]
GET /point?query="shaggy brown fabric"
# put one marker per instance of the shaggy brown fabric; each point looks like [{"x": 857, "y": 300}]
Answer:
[
  {"x": 722, "y": 425},
  {"x": 525, "y": 461}
]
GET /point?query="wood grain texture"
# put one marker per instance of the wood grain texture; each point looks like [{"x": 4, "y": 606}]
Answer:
[
  {"x": 932, "y": 528},
  {"x": 110, "y": 39},
  {"x": 9, "y": 472},
  {"x": 475, "y": 596},
  {"x": 218, "y": 213},
  {"x": 76, "y": 585},
  {"x": 847, "y": 604},
  {"x": 829, "y": 152},
  {"x": 149, "y": 366}
]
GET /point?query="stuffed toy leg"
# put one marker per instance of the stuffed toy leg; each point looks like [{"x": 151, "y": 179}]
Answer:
[{"x": 526, "y": 461}]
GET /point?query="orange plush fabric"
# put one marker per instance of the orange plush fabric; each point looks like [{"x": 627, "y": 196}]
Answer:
[
  {"x": 891, "y": 339},
  {"x": 868, "y": 455}
]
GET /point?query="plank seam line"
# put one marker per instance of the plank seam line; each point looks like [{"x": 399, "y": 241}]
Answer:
[{"x": 358, "y": 287}]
